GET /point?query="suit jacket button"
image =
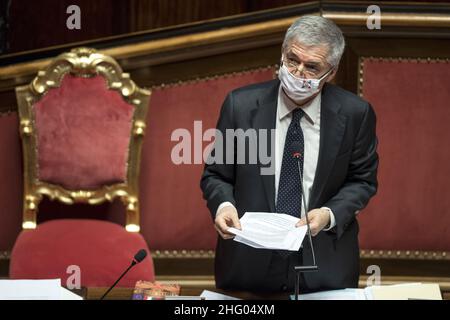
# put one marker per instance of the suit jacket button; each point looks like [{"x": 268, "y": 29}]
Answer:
[{"x": 284, "y": 287}]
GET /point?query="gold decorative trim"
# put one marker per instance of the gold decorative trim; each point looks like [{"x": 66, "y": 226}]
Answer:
[
  {"x": 85, "y": 62},
  {"x": 405, "y": 254},
  {"x": 390, "y": 19},
  {"x": 204, "y": 282},
  {"x": 362, "y": 59},
  {"x": 81, "y": 196},
  {"x": 201, "y": 282},
  {"x": 181, "y": 254},
  {"x": 81, "y": 62}
]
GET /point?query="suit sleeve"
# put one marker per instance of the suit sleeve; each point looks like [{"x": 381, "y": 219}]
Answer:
[
  {"x": 217, "y": 181},
  {"x": 361, "y": 182}
]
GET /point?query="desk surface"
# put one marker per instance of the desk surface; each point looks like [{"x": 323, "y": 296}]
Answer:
[{"x": 126, "y": 294}]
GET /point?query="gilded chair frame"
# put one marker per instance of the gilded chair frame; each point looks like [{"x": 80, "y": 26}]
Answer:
[{"x": 83, "y": 62}]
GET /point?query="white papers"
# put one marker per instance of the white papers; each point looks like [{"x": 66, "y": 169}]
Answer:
[
  {"x": 30, "y": 289},
  {"x": 35, "y": 290},
  {"x": 265, "y": 230},
  {"x": 401, "y": 291},
  {"x": 405, "y": 291},
  {"x": 211, "y": 295},
  {"x": 343, "y": 294},
  {"x": 69, "y": 295}
]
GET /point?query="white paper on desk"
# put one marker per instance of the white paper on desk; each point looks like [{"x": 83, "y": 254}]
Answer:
[
  {"x": 342, "y": 294},
  {"x": 69, "y": 295},
  {"x": 266, "y": 230},
  {"x": 30, "y": 289},
  {"x": 211, "y": 295},
  {"x": 405, "y": 291}
]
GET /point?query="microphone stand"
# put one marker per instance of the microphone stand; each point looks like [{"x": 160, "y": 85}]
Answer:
[
  {"x": 124, "y": 273},
  {"x": 300, "y": 269}
]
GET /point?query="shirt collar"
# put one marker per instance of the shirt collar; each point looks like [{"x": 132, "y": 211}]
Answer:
[{"x": 286, "y": 106}]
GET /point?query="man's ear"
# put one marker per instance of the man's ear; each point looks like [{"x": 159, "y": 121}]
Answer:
[{"x": 330, "y": 78}]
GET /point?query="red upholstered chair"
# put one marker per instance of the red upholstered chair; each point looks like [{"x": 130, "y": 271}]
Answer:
[{"x": 82, "y": 122}]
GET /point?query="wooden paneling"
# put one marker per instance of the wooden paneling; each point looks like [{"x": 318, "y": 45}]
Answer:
[
  {"x": 106, "y": 18},
  {"x": 4, "y": 19},
  {"x": 37, "y": 24}
]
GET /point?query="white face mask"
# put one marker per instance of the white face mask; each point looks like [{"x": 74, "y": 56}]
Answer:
[{"x": 299, "y": 89}]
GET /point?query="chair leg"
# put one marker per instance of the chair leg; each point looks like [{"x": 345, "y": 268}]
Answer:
[
  {"x": 132, "y": 221},
  {"x": 29, "y": 212}
]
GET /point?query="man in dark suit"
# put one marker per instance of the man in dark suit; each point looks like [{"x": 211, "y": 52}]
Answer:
[{"x": 336, "y": 132}]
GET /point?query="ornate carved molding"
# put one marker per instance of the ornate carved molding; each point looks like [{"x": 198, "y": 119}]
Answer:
[
  {"x": 86, "y": 62},
  {"x": 107, "y": 193}
]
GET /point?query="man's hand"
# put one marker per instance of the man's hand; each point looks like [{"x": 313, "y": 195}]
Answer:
[
  {"x": 318, "y": 219},
  {"x": 227, "y": 217}
]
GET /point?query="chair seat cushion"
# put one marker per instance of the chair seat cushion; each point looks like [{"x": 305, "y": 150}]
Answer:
[{"x": 102, "y": 250}]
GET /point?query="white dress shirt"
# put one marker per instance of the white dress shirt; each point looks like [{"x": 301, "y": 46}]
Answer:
[{"x": 310, "y": 125}]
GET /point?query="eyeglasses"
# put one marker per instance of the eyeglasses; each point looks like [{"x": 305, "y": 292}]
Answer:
[{"x": 309, "y": 71}]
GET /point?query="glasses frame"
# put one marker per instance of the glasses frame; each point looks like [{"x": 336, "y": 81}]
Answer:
[{"x": 296, "y": 65}]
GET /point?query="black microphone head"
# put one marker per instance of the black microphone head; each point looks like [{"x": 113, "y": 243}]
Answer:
[
  {"x": 140, "y": 255},
  {"x": 296, "y": 149}
]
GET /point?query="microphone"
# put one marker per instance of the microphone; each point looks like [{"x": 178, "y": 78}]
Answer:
[
  {"x": 296, "y": 148},
  {"x": 138, "y": 257}
]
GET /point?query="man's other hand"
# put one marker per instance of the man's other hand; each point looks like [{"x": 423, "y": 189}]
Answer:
[
  {"x": 227, "y": 217},
  {"x": 318, "y": 219}
]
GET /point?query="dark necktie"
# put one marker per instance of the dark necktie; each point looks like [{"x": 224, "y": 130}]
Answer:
[{"x": 289, "y": 191}]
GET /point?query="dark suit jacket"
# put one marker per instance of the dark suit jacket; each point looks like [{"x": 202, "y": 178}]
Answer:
[{"x": 345, "y": 181}]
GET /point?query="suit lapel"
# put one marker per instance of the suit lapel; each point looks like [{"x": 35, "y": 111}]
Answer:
[
  {"x": 332, "y": 129},
  {"x": 264, "y": 118}
]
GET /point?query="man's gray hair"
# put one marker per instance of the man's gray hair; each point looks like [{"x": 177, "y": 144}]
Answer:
[{"x": 317, "y": 31}]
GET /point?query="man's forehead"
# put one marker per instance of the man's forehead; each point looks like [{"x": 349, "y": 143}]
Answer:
[{"x": 312, "y": 53}]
